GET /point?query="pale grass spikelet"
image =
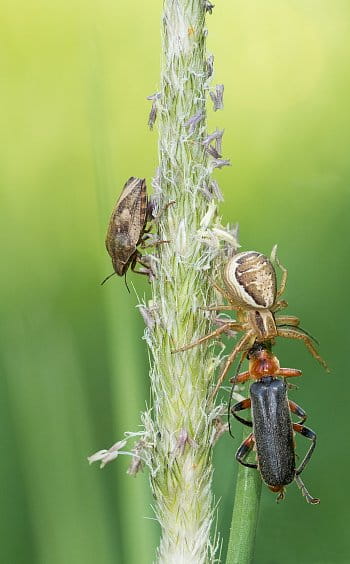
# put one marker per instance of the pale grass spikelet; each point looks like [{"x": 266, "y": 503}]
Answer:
[
  {"x": 108, "y": 455},
  {"x": 209, "y": 6},
  {"x": 219, "y": 163},
  {"x": 217, "y": 97},
  {"x": 183, "y": 416},
  {"x": 181, "y": 427},
  {"x": 209, "y": 65},
  {"x": 154, "y": 109}
]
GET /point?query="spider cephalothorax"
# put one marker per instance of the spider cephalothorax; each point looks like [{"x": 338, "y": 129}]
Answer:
[{"x": 251, "y": 291}]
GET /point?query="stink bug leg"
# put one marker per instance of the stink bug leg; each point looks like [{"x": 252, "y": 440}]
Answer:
[{"x": 127, "y": 229}]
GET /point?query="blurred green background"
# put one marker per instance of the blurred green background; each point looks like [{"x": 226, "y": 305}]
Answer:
[{"x": 75, "y": 76}]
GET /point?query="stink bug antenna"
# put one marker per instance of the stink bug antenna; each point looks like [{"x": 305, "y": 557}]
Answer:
[
  {"x": 126, "y": 284},
  {"x": 234, "y": 380},
  {"x": 107, "y": 278}
]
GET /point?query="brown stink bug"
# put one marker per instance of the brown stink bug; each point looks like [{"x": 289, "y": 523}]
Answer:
[{"x": 127, "y": 228}]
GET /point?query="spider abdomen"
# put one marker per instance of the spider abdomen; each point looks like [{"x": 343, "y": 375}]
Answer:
[{"x": 251, "y": 280}]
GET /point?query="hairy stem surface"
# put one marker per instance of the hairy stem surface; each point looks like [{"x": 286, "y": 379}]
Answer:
[{"x": 182, "y": 469}]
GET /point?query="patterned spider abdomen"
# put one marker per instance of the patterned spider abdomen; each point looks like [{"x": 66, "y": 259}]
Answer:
[{"x": 251, "y": 280}]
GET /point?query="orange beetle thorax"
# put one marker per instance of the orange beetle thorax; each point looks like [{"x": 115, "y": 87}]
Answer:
[{"x": 263, "y": 363}]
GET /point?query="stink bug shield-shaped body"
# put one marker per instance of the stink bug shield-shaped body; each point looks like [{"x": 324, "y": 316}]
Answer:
[
  {"x": 127, "y": 227},
  {"x": 273, "y": 429}
]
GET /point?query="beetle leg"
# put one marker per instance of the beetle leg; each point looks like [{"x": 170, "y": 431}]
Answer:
[
  {"x": 289, "y": 372},
  {"x": 306, "y": 432},
  {"x": 244, "y": 450},
  {"x": 295, "y": 408},
  {"x": 244, "y": 404},
  {"x": 295, "y": 334},
  {"x": 280, "y": 490},
  {"x": 216, "y": 333},
  {"x": 242, "y": 377},
  {"x": 244, "y": 343},
  {"x": 309, "y": 434},
  {"x": 299, "y": 482}
]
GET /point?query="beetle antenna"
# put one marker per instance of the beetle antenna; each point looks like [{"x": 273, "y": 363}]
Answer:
[
  {"x": 126, "y": 284},
  {"x": 107, "y": 278},
  {"x": 231, "y": 394}
]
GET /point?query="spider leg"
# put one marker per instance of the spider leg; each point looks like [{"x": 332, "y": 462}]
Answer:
[
  {"x": 279, "y": 305},
  {"x": 244, "y": 343},
  {"x": 221, "y": 291},
  {"x": 283, "y": 283},
  {"x": 295, "y": 334},
  {"x": 218, "y": 307},
  {"x": 216, "y": 333},
  {"x": 287, "y": 320}
]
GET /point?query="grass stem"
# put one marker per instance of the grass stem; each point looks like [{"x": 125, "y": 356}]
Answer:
[{"x": 244, "y": 516}]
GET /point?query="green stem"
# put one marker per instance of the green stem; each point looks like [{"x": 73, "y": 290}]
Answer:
[{"x": 244, "y": 516}]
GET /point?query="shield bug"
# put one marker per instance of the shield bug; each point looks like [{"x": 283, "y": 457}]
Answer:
[
  {"x": 272, "y": 426},
  {"x": 252, "y": 292},
  {"x": 127, "y": 228}
]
